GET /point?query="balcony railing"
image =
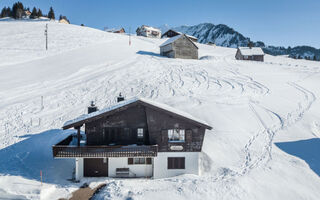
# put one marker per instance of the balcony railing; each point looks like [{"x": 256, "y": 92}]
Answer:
[{"x": 64, "y": 150}]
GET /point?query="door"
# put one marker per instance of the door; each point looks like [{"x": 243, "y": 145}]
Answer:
[{"x": 95, "y": 167}]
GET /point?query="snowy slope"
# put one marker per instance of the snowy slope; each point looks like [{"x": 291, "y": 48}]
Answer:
[{"x": 265, "y": 116}]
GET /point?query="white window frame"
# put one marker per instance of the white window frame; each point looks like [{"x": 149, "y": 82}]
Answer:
[
  {"x": 176, "y": 135},
  {"x": 140, "y": 133},
  {"x": 139, "y": 161}
]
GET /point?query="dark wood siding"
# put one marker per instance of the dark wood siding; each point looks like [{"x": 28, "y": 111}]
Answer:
[
  {"x": 119, "y": 128},
  {"x": 158, "y": 125},
  {"x": 95, "y": 167}
]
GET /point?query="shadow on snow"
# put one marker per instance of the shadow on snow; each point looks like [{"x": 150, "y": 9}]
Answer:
[
  {"x": 34, "y": 153},
  {"x": 148, "y": 53},
  {"x": 308, "y": 150}
]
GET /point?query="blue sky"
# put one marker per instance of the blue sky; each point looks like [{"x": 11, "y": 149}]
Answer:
[{"x": 275, "y": 22}]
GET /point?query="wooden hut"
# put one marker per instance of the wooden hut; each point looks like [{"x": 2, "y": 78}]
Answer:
[
  {"x": 250, "y": 53},
  {"x": 179, "y": 46},
  {"x": 171, "y": 33}
]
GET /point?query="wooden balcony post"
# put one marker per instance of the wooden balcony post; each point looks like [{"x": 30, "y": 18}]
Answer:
[{"x": 78, "y": 135}]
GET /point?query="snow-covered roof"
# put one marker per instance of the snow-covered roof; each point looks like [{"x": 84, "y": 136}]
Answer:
[
  {"x": 180, "y": 33},
  {"x": 151, "y": 28},
  {"x": 85, "y": 117},
  {"x": 247, "y": 51},
  {"x": 171, "y": 40}
]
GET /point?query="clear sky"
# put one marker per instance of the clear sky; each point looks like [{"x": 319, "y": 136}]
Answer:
[{"x": 275, "y": 22}]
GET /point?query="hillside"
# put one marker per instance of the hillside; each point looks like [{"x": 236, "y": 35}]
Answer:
[
  {"x": 223, "y": 35},
  {"x": 265, "y": 116}
]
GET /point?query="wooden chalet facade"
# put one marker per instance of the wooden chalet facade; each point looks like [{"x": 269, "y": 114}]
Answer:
[
  {"x": 134, "y": 138},
  {"x": 121, "y": 30},
  {"x": 171, "y": 33},
  {"x": 148, "y": 31},
  {"x": 250, "y": 53},
  {"x": 179, "y": 46}
]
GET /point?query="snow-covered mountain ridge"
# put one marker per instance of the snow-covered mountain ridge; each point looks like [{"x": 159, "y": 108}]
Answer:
[
  {"x": 265, "y": 116},
  {"x": 223, "y": 35}
]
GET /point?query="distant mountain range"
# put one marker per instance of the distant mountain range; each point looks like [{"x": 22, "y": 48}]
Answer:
[{"x": 223, "y": 35}]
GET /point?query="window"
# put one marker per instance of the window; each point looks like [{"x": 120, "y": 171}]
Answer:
[
  {"x": 176, "y": 135},
  {"x": 176, "y": 163},
  {"x": 140, "y": 133},
  {"x": 139, "y": 161}
]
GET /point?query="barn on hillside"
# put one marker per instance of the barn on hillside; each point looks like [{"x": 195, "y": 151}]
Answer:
[
  {"x": 171, "y": 33},
  {"x": 120, "y": 30},
  {"x": 250, "y": 53},
  {"x": 179, "y": 46}
]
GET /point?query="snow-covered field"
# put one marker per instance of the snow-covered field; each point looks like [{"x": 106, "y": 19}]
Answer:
[{"x": 265, "y": 143}]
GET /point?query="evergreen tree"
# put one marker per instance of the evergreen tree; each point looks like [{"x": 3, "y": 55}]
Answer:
[
  {"x": 34, "y": 13},
  {"x": 51, "y": 13},
  {"x": 39, "y": 13},
  {"x": 314, "y": 57},
  {"x": 9, "y": 12},
  {"x": 17, "y": 10},
  {"x": 3, "y": 12},
  {"x": 299, "y": 57}
]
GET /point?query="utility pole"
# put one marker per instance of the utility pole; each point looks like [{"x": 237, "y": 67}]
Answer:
[
  {"x": 46, "y": 34},
  {"x": 129, "y": 36}
]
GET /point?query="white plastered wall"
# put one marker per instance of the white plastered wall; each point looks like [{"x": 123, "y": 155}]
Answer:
[
  {"x": 161, "y": 164},
  {"x": 136, "y": 170},
  {"x": 79, "y": 168}
]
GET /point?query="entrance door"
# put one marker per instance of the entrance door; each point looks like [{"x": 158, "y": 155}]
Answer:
[{"x": 95, "y": 167}]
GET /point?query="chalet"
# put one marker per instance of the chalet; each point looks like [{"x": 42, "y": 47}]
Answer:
[
  {"x": 171, "y": 33},
  {"x": 64, "y": 21},
  {"x": 134, "y": 138},
  {"x": 27, "y": 13},
  {"x": 179, "y": 46},
  {"x": 250, "y": 53},
  {"x": 121, "y": 30},
  {"x": 148, "y": 31}
]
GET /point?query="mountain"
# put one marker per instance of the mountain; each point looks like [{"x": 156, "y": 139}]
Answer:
[{"x": 223, "y": 35}]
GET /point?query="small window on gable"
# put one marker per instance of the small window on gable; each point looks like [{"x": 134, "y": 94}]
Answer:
[
  {"x": 176, "y": 135},
  {"x": 140, "y": 132}
]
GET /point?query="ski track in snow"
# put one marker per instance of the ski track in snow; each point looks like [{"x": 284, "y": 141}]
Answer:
[{"x": 220, "y": 79}]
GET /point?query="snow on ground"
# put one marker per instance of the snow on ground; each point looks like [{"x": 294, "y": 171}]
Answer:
[{"x": 265, "y": 116}]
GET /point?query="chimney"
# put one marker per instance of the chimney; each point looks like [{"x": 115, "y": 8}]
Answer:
[
  {"x": 92, "y": 108},
  {"x": 120, "y": 98}
]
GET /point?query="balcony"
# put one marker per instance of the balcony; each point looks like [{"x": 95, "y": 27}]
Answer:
[{"x": 67, "y": 149}]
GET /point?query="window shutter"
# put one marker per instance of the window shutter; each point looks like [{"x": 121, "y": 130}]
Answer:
[
  {"x": 182, "y": 163},
  {"x": 170, "y": 163},
  {"x": 189, "y": 135},
  {"x": 130, "y": 161},
  {"x": 164, "y": 135},
  {"x": 148, "y": 161}
]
